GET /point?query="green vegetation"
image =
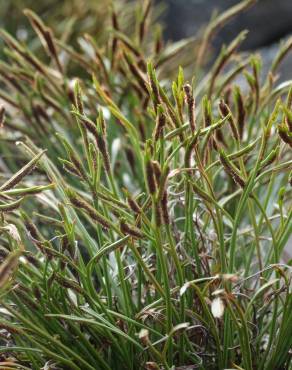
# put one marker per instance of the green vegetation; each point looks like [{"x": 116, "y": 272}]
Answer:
[{"x": 145, "y": 200}]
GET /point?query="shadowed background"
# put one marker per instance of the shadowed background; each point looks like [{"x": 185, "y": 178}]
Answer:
[{"x": 268, "y": 22}]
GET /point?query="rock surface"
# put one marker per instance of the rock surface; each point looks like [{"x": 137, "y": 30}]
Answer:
[
  {"x": 267, "y": 20},
  {"x": 268, "y": 54}
]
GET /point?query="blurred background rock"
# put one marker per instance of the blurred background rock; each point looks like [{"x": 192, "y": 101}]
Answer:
[{"x": 268, "y": 22}]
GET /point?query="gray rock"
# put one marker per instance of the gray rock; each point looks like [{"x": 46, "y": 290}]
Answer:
[
  {"x": 267, "y": 20},
  {"x": 268, "y": 54}
]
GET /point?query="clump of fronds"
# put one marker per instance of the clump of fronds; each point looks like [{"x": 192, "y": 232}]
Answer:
[{"x": 161, "y": 242}]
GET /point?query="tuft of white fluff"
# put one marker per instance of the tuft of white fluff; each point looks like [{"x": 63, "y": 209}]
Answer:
[{"x": 217, "y": 308}]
